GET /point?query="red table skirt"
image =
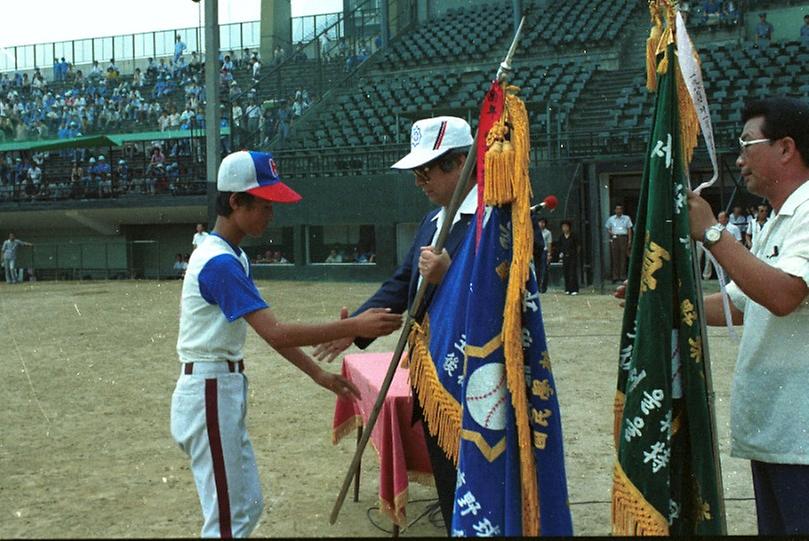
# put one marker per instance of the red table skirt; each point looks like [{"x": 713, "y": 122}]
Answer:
[{"x": 399, "y": 445}]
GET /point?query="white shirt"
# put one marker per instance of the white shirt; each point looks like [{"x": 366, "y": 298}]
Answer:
[
  {"x": 741, "y": 221},
  {"x": 547, "y": 238},
  {"x": 205, "y": 333},
  {"x": 769, "y": 404},
  {"x": 198, "y": 239},
  {"x": 735, "y": 231},
  {"x": 755, "y": 228},
  {"x": 619, "y": 225},
  {"x": 469, "y": 205}
]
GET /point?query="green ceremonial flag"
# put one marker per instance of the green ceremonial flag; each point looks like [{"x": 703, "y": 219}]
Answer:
[{"x": 665, "y": 475}]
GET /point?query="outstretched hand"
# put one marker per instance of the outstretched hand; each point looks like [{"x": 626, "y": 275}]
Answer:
[
  {"x": 337, "y": 384},
  {"x": 377, "y": 322},
  {"x": 328, "y": 351}
]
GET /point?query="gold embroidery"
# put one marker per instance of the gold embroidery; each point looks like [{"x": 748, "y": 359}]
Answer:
[
  {"x": 502, "y": 270},
  {"x": 542, "y": 388},
  {"x": 489, "y": 452},
  {"x": 546, "y": 360},
  {"x": 695, "y": 345},
  {"x": 653, "y": 257},
  {"x": 481, "y": 352},
  {"x": 689, "y": 312},
  {"x": 541, "y": 416},
  {"x": 540, "y": 439}
]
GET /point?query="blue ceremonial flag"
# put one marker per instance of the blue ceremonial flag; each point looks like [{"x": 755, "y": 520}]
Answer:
[
  {"x": 488, "y": 497},
  {"x": 480, "y": 366}
]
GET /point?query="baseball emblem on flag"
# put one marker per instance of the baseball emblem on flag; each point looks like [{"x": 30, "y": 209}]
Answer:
[{"x": 486, "y": 396}]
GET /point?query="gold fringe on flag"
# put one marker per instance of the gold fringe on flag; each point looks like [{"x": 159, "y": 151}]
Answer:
[
  {"x": 651, "y": 46},
  {"x": 632, "y": 514},
  {"x": 442, "y": 413},
  {"x": 508, "y": 182},
  {"x": 618, "y": 415}
]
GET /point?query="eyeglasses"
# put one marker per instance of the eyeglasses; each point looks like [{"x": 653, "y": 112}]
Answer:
[
  {"x": 422, "y": 173},
  {"x": 744, "y": 144}
]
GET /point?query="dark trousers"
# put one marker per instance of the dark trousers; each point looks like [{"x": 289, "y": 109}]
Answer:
[
  {"x": 570, "y": 268},
  {"x": 619, "y": 246},
  {"x": 543, "y": 270},
  {"x": 782, "y": 498},
  {"x": 444, "y": 471}
]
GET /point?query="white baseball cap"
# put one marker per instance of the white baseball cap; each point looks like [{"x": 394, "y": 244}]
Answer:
[
  {"x": 256, "y": 174},
  {"x": 432, "y": 137}
]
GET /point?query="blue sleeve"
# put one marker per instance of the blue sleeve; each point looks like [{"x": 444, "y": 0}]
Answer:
[{"x": 223, "y": 282}]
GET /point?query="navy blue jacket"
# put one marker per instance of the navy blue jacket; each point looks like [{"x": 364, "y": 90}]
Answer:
[{"x": 399, "y": 290}]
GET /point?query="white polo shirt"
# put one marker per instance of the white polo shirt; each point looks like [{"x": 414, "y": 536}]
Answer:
[
  {"x": 769, "y": 404},
  {"x": 619, "y": 225}
]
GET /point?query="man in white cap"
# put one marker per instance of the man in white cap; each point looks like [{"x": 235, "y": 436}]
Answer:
[
  {"x": 219, "y": 300},
  {"x": 438, "y": 148}
]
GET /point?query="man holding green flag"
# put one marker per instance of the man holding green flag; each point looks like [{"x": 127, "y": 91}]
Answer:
[
  {"x": 666, "y": 474},
  {"x": 769, "y": 411}
]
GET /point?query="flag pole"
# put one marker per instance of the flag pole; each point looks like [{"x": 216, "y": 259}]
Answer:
[
  {"x": 503, "y": 72},
  {"x": 706, "y": 364}
]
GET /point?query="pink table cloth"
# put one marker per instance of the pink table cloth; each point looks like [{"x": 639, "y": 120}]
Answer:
[{"x": 399, "y": 445}]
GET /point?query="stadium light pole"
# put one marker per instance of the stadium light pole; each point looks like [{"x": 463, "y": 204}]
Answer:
[{"x": 211, "y": 103}]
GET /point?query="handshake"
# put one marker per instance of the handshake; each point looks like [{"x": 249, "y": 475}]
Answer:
[{"x": 371, "y": 323}]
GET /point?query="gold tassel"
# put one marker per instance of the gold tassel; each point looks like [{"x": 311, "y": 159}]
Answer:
[
  {"x": 442, "y": 413},
  {"x": 651, "y": 46},
  {"x": 499, "y": 165},
  {"x": 689, "y": 121},
  {"x": 522, "y": 247},
  {"x": 632, "y": 514},
  {"x": 666, "y": 39}
]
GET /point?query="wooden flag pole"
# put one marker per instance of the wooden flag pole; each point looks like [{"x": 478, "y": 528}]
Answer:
[{"x": 457, "y": 197}]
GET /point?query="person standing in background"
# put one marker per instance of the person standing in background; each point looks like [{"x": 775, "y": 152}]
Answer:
[
  {"x": 199, "y": 236},
  {"x": 619, "y": 227},
  {"x": 9, "y": 250},
  {"x": 568, "y": 249},
  {"x": 545, "y": 258}
]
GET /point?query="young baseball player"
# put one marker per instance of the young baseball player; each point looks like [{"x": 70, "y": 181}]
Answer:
[{"x": 219, "y": 300}]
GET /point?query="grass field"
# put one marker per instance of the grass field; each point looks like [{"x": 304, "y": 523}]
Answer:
[{"x": 87, "y": 370}]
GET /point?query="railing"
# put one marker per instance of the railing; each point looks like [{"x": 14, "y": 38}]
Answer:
[
  {"x": 329, "y": 48},
  {"x": 130, "y": 47},
  {"x": 55, "y": 191},
  {"x": 564, "y": 145}
]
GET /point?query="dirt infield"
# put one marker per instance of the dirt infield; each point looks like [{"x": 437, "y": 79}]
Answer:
[{"x": 87, "y": 372}]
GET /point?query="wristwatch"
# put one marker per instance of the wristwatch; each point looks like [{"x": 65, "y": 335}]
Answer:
[{"x": 712, "y": 235}]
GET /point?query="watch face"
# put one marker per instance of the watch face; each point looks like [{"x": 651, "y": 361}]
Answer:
[{"x": 712, "y": 235}]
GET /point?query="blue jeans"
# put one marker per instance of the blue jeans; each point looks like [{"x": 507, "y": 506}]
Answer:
[{"x": 11, "y": 270}]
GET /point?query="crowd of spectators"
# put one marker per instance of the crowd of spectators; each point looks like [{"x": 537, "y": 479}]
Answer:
[
  {"x": 93, "y": 176},
  {"x": 272, "y": 257},
  {"x": 711, "y": 12},
  {"x": 353, "y": 254}
]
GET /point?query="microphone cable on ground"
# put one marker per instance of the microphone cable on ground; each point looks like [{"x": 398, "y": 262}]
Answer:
[{"x": 432, "y": 511}]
